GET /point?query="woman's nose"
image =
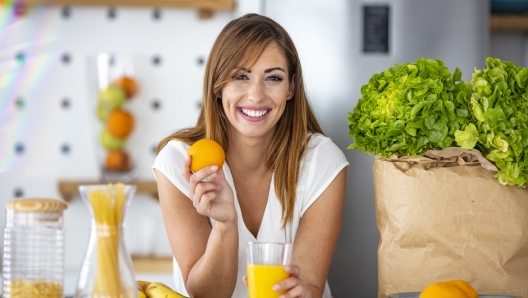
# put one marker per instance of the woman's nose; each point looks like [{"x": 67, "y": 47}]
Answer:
[{"x": 256, "y": 91}]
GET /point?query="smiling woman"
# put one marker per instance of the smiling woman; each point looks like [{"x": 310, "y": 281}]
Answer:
[
  {"x": 256, "y": 98},
  {"x": 283, "y": 180}
]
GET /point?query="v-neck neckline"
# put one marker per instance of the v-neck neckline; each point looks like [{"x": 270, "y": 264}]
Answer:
[{"x": 239, "y": 210}]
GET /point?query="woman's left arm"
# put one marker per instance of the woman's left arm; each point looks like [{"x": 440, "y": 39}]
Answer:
[{"x": 315, "y": 243}]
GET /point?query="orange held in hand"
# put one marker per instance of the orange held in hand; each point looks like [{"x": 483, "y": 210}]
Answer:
[
  {"x": 120, "y": 123},
  {"x": 449, "y": 289},
  {"x": 206, "y": 152}
]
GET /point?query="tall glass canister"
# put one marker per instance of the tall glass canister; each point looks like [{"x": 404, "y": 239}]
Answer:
[
  {"x": 33, "y": 257},
  {"x": 107, "y": 270}
]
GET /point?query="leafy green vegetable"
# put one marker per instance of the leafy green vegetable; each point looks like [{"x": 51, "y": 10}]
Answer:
[
  {"x": 499, "y": 119},
  {"x": 409, "y": 109},
  {"x": 468, "y": 138},
  {"x": 415, "y": 107}
]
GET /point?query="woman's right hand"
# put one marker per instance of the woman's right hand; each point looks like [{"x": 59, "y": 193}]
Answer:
[{"x": 212, "y": 198}]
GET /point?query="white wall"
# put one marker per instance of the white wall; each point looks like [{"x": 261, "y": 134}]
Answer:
[{"x": 510, "y": 46}]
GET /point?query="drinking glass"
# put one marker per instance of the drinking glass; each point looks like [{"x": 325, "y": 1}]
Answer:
[{"x": 265, "y": 267}]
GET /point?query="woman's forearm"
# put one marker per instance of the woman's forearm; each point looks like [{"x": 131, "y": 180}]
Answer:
[
  {"x": 215, "y": 273},
  {"x": 315, "y": 291}
]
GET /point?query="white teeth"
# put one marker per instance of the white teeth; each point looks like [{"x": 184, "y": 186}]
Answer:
[{"x": 253, "y": 113}]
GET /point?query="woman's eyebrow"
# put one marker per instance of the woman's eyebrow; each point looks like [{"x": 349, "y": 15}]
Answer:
[
  {"x": 244, "y": 69},
  {"x": 272, "y": 69}
]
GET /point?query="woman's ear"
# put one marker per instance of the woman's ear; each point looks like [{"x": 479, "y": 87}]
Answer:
[{"x": 291, "y": 89}]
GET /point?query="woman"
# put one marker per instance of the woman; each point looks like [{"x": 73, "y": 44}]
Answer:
[{"x": 283, "y": 180}]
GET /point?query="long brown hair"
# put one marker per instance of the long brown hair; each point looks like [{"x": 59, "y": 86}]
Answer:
[{"x": 241, "y": 42}]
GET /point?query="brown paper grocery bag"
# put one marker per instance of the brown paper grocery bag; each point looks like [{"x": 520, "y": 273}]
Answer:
[{"x": 445, "y": 217}]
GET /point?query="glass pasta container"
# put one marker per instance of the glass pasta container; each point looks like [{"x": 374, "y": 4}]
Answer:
[
  {"x": 107, "y": 270},
  {"x": 33, "y": 256}
]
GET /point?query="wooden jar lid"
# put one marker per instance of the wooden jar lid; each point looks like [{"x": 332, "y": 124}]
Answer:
[{"x": 36, "y": 205}]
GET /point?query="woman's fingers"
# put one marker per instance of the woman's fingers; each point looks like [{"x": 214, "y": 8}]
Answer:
[
  {"x": 197, "y": 177},
  {"x": 202, "y": 189},
  {"x": 293, "y": 270},
  {"x": 294, "y": 286},
  {"x": 244, "y": 279},
  {"x": 204, "y": 205},
  {"x": 210, "y": 193},
  {"x": 286, "y": 284},
  {"x": 205, "y": 187},
  {"x": 297, "y": 291},
  {"x": 186, "y": 168}
]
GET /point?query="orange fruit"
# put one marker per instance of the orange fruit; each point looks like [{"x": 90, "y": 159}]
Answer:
[
  {"x": 466, "y": 287},
  {"x": 206, "y": 152},
  {"x": 120, "y": 123},
  {"x": 449, "y": 289},
  {"x": 117, "y": 160},
  {"x": 128, "y": 84}
]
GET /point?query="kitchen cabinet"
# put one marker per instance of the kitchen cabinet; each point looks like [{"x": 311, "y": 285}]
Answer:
[{"x": 509, "y": 23}]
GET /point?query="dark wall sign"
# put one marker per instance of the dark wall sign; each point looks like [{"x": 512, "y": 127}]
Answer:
[{"x": 376, "y": 29}]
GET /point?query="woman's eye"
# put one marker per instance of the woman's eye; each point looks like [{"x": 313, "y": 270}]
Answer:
[
  {"x": 274, "y": 78},
  {"x": 241, "y": 77}
]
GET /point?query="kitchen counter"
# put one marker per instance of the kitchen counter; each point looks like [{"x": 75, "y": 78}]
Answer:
[{"x": 70, "y": 280}]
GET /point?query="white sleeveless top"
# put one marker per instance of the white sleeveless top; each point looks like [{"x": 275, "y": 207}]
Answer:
[{"x": 323, "y": 160}]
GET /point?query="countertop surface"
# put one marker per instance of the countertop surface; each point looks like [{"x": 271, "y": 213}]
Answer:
[{"x": 70, "y": 281}]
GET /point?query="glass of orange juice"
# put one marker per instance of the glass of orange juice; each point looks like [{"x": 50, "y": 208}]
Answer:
[{"x": 265, "y": 267}]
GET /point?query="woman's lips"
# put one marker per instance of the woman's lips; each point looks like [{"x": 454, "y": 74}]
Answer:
[{"x": 252, "y": 114}]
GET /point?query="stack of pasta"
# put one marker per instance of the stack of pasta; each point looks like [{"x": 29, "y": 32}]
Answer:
[{"x": 108, "y": 209}]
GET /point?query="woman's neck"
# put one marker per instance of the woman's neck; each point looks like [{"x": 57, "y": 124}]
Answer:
[{"x": 248, "y": 155}]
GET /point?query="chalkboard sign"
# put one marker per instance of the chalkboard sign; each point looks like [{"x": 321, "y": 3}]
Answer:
[{"x": 376, "y": 29}]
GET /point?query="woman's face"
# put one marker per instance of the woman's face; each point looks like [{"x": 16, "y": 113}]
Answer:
[{"x": 255, "y": 98}]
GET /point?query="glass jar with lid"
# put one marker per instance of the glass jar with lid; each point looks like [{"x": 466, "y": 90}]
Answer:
[{"x": 33, "y": 256}]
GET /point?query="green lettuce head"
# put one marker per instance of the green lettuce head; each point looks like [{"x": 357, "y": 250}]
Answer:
[
  {"x": 499, "y": 111},
  {"x": 409, "y": 109}
]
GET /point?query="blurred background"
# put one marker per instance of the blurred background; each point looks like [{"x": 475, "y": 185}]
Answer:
[{"x": 50, "y": 79}]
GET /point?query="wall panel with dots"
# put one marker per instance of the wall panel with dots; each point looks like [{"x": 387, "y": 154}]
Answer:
[
  {"x": 48, "y": 95},
  {"x": 50, "y": 92}
]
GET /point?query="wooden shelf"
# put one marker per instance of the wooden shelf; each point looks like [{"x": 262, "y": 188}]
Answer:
[
  {"x": 152, "y": 265},
  {"x": 509, "y": 22},
  {"x": 201, "y": 4},
  {"x": 69, "y": 189}
]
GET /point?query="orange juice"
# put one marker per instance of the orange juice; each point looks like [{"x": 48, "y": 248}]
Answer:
[{"x": 261, "y": 279}]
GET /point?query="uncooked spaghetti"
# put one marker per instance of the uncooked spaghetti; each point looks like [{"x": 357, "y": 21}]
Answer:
[{"x": 107, "y": 205}]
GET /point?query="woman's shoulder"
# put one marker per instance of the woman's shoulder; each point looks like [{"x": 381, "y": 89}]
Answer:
[
  {"x": 176, "y": 145},
  {"x": 174, "y": 150},
  {"x": 321, "y": 144},
  {"x": 321, "y": 152},
  {"x": 322, "y": 162},
  {"x": 169, "y": 162},
  {"x": 322, "y": 155},
  {"x": 317, "y": 138}
]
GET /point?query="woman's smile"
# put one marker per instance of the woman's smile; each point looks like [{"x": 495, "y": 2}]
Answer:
[{"x": 254, "y": 114}]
